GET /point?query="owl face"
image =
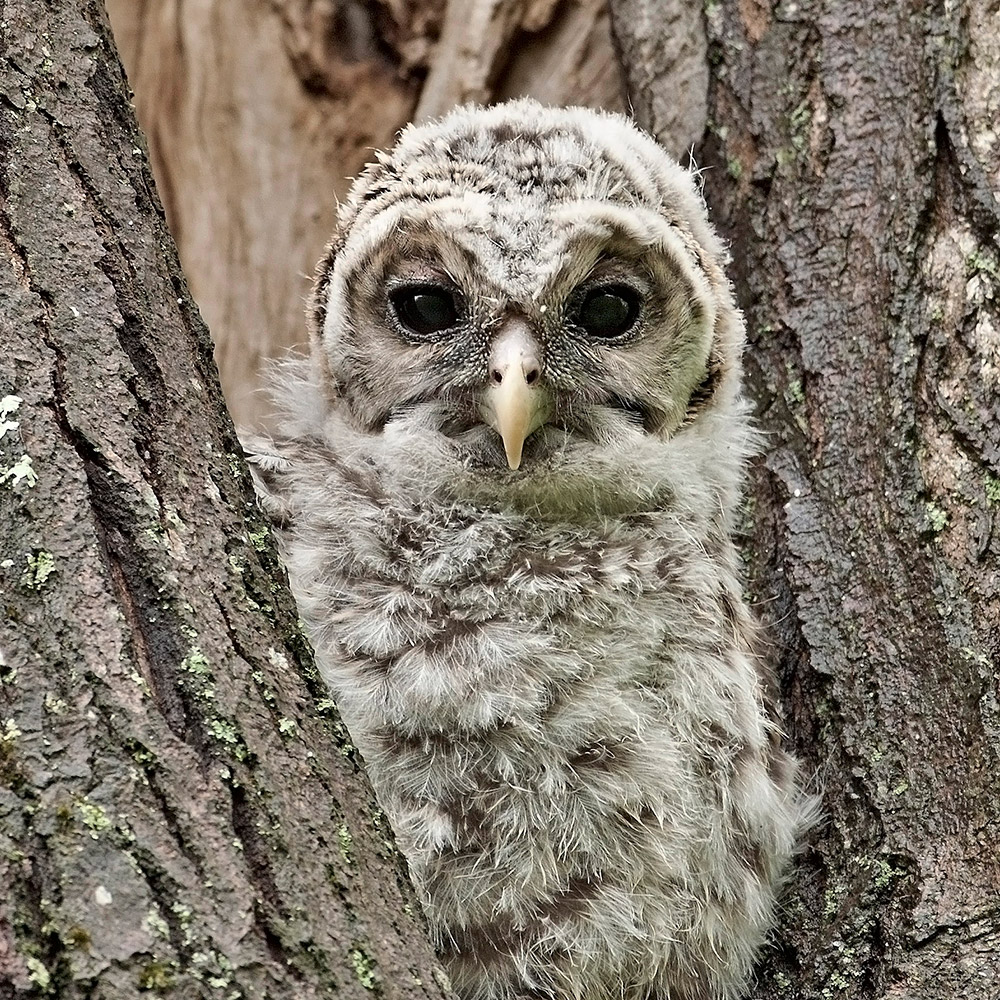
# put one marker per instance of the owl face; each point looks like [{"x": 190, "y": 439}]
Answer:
[{"x": 517, "y": 277}]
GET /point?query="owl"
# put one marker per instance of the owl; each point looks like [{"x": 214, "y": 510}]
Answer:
[{"x": 505, "y": 485}]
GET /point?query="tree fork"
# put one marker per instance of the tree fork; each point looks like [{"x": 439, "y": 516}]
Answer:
[{"x": 181, "y": 811}]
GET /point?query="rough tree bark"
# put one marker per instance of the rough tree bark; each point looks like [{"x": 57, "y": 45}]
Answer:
[
  {"x": 181, "y": 812},
  {"x": 855, "y": 167},
  {"x": 854, "y": 163}
]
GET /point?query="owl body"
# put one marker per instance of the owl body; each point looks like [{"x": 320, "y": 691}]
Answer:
[{"x": 506, "y": 484}]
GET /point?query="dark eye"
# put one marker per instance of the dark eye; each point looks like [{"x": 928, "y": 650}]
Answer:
[
  {"x": 425, "y": 309},
  {"x": 608, "y": 311}
]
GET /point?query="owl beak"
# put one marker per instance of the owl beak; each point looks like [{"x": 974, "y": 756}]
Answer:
[{"x": 514, "y": 403}]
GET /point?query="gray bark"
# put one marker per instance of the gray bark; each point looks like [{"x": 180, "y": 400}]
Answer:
[
  {"x": 853, "y": 161},
  {"x": 181, "y": 811},
  {"x": 150, "y": 743}
]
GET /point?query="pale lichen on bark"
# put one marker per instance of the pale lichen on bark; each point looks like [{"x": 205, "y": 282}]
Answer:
[
  {"x": 169, "y": 783},
  {"x": 848, "y": 160}
]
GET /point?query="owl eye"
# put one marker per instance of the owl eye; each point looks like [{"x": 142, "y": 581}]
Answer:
[
  {"x": 425, "y": 309},
  {"x": 608, "y": 311}
]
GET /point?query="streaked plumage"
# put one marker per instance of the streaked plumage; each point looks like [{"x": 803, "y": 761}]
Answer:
[{"x": 506, "y": 485}]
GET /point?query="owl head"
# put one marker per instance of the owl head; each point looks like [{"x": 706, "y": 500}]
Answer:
[{"x": 518, "y": 277}]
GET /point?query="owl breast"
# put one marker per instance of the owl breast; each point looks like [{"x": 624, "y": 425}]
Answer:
[{"x": 565, "y": 727}]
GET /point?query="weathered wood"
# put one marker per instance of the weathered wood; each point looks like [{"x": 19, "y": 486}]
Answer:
[
  {"x": 853, "y": 163},
  {"x": 259, "y": 112},
  {"x": 181, "y": 811}
]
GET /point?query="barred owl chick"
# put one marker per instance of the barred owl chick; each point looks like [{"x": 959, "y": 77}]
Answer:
[{"x": 506, "y": 485}]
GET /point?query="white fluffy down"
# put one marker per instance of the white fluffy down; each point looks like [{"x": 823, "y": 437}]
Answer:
[{"x": 550, "y": 672}]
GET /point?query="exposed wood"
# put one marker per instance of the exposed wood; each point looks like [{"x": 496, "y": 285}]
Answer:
[
  {"x": 252, "y": 129},
  {"x": 181, "y": 812},
  {"x": 257, "y": 114},
  {"x": 852, "y": 161},
  {"x": 490, "y": 50}
]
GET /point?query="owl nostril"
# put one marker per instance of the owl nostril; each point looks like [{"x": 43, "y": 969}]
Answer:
[{"x": 530, "y": 370}]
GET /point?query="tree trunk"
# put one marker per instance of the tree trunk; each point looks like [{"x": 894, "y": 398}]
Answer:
[
  {"x": 181, "y": 811},
  {"x": 176, "y": 801},
  {"x": 854, "y": 163}
]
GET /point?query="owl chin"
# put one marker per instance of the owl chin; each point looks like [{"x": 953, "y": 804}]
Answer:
[
  {"x": 547, "y": 435},
  {"x": 482, "y": 449}
]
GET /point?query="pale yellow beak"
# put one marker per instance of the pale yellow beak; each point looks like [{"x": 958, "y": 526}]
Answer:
[{"x": 515, "y": 403}]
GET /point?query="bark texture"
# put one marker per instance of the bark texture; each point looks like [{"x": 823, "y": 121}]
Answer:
[
  {"x": 853, "y": 163},
  {"x": 257, "y": 114},
  {"x": 181, "y": 812}
]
